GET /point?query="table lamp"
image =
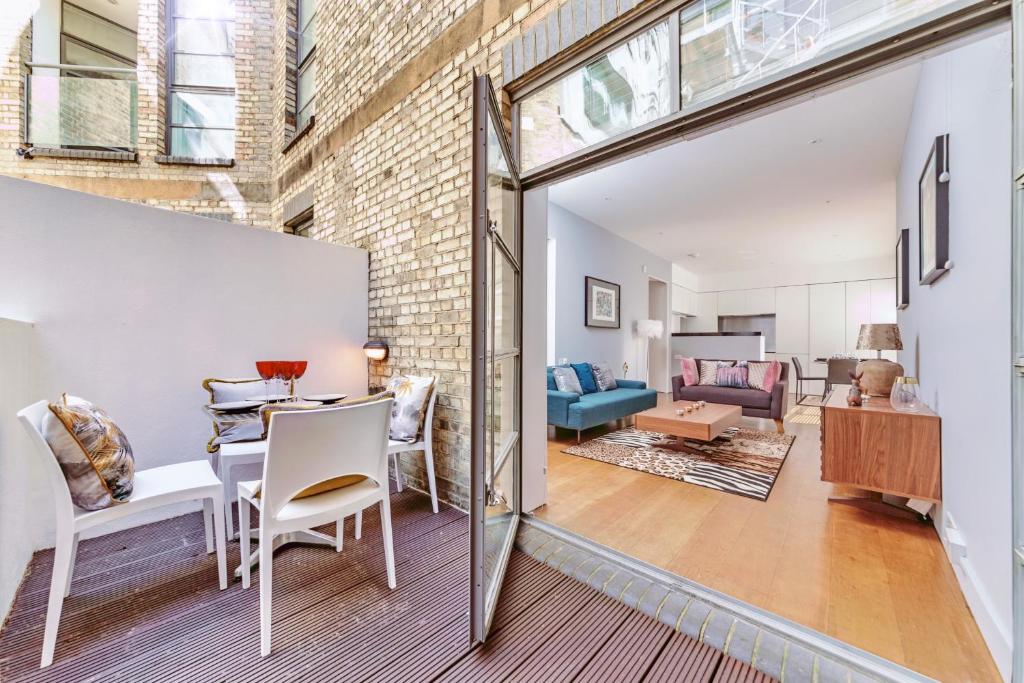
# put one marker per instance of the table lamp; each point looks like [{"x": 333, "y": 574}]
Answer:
[{"x": 879, "y": 373}]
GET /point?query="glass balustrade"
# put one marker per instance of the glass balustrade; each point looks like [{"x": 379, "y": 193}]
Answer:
[{"x": 72, "y": 111}]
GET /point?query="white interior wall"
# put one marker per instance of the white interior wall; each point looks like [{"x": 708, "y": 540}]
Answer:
[
  {"x": 957, "y": 331},
  {"x": 588, "y": 249},
  {"x": 134, "y": 306}
]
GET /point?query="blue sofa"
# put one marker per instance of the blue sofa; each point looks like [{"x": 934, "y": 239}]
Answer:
[{"x": 575, "y": 411}]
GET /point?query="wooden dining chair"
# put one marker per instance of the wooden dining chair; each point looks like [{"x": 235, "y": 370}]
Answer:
[
  {"x": 322, "y": 465},
  {"x": 156, "y": 487}
]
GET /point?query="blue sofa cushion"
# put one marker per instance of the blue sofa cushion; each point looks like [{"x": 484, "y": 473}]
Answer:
[
  {"x": 585, "y": 373},
  {"x": 605, "y": 406},
  {"x": 551, "y": 381}
]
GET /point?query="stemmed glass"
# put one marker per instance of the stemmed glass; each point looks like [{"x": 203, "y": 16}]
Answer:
[
  {"x": 298, "y": 370},
  {"x": 267, "y": 369},
  {"x": 283, "y": 372}
]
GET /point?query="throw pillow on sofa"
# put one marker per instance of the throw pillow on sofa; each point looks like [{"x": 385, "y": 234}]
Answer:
[
  {"x": 585, "y": 373},
  {"x": 93, "y": 453},
  {"x": 566, "y": 380},
  {"x": 691, "y": 374},
  {"x": 735, "y": 377},
  {"x": 763, "y": 374},
  {"x": 709, "y": 371},
  {"x": 603, "y": 375}
]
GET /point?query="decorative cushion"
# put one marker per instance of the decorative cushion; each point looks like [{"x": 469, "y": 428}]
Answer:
[
  {"x": 336, "y": 482},
  {"x": 709, "y": 371},
  {"x": 585, "y": 373},
  {"x": 234, "y": 427},
  {"x": 691, "y": 375},
  {"x": 603, "y": 376},
  {"x": 93, "y": 453},
  {"x": 412, "y": 394},
  {"x": 763, "y": 374},
  {"x": 567, "y": 380},
  {"x": 735, "y": 377},
  {"x": 225, "y": 390}
]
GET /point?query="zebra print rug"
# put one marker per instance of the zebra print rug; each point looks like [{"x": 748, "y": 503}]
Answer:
[{"x": 745, "y": 462}]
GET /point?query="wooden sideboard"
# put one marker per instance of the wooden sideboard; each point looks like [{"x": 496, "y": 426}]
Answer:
[{"x": 881, "y": 449}]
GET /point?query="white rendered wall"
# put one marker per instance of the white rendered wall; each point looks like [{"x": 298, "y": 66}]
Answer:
[
  {"x": 134, "y": 306},
  {"x": 956, "y": 332}
]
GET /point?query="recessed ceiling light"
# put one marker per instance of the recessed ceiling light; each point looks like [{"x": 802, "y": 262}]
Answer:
[
  {"x": 815, "y": 141},
  {"x": 607, "y": 199},
  {"x": 694, "y": 254}
]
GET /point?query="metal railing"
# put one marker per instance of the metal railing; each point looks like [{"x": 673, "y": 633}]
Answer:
[{"x": 72, "y": 106}]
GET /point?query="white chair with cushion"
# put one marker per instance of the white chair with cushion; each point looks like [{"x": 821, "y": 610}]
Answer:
[
  {"x": 152, "y": 488},
  {"x": 424, "y": 443},
  {"x": 322, "y": 465}
]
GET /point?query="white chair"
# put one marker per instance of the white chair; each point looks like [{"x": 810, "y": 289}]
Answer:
[
  {"x": 152, "y": 488},
  {"x": 425, "y": 444},
  {"x": 309, "y": 447}
]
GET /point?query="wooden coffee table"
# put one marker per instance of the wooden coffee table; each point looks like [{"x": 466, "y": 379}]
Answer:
[{"x": 703, "y": 424}]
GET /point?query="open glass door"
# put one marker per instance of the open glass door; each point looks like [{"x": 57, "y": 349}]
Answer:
[
  {"x": 497, "y": 330},
  {"x": 1017, "y": 395}
]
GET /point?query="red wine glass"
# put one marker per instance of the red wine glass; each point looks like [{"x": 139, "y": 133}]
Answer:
[
  {"x": 266, "y": 369},
  {"x": 298, "y": 369},
  {"x": 283, "y": 371}
]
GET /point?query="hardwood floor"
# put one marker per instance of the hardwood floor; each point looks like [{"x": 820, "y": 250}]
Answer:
[{"x": 881, "y": 583}]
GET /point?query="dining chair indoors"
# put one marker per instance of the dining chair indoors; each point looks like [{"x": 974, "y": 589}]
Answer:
[
  {"x": 425, "y": 443},
  {"x": 313, "y": 456},
  {"x": 801, "y": 378},
  {"x": 152, "y": 488}
]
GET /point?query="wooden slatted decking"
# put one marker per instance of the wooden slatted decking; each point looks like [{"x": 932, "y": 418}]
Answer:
[{"x": 145, "y": 607}]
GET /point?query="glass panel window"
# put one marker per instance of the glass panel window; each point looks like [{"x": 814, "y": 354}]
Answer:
[
  {"x": 307, "y": 28},
  {"x": 205, "y": 9},
  {"x": 204, "y": 70},
  {"x": 205, "y": 36},
  {"x": 83, "y": 55},
  {"x": 621, "y": 90},
  {"x": 305, "y": 95},
  {"x": 203, "y": 143},
  {"x": 98, "y": 31},
  {"x": 729, "y": 44},
  {"x": 305, "y": 62},
  {"x": 202, "y": 110}
]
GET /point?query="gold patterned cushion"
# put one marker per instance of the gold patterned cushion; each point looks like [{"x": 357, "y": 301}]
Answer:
[
  {"x": 93, "y": 453},
  {"x": 331, "y": 484},
  {"x": 412, "y": 394}
]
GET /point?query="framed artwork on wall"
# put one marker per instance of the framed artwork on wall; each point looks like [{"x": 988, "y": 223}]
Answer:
[
  {"x": 933, "y": 213},
  {"x": 601, "y": 303},
  {"x": 902, "y": 266}
]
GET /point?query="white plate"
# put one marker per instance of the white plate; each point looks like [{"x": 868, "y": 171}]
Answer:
[
  {"x": 272, "y": 398},
  {"x": 235, "y": 406},
  {"x": 326, "y": 398}
]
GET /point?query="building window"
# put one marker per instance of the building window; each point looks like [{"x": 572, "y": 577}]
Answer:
[
  {"x": 301, "y": 225},
  {"x": 87, "y": 39},
  {"x": 201, "y": 78},
  {"x": 305, "y": 63}
]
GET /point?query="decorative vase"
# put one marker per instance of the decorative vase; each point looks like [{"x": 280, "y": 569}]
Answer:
[
  {"x": 878, "y": 376},
  {"x": 904, "y": 395}
]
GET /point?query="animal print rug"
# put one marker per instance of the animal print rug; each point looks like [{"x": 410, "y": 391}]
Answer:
[{"x": 741, "y": 461}]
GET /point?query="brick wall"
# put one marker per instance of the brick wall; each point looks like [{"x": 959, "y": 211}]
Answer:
[{"x": 241, "y": 193}]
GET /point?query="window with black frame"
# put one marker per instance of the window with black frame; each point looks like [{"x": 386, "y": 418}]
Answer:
[
  {"x": 90, "y": 40},
  {"x": 305, "y": 63},
  {"x": 201, "y": 79}
]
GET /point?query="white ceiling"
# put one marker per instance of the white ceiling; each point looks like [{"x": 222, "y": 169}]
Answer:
[
  {"x": 809, "y": 184},
  {"x": 124, "y": 12}
]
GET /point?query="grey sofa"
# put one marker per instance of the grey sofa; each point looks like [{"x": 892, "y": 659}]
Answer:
[{"x": 755, "y": 403}]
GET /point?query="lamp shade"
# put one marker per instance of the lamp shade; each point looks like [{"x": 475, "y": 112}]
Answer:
[
  {"x": 375, "y": 349},
  {"x": 879, "y": 337},
  {"x": 650, "y": 329}
]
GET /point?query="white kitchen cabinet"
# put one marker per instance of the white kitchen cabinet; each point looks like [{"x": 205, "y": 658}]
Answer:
[
  {"x": 683, "y": 301},
  {"x": 706, "y": 319},
  {"x": 827, "y": 321},
  {"x": 883, "y": 300},
  {"x": 858, "y": 312},
  {"x": 760, "y": 301},
  {"x": 732, "y": 303},
  {"x": 791, "y": 323}
]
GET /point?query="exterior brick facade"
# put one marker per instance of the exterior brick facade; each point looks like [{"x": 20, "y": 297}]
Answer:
[{"x": 388, "y": 160}]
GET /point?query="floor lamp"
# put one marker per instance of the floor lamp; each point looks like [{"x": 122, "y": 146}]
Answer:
[{"x": 646, "y": 330}]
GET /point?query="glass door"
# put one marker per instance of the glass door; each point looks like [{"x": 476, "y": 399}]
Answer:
[
  {"x": 1017, "y": 396},
  {"x": 497, "y": 330}
]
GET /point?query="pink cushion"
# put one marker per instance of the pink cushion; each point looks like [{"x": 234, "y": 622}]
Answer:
[
  {"x": 772, "y": 375},
  {"x": 690, "y": 374}
]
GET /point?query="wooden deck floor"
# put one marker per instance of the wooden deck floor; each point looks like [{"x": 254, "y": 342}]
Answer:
[{"x": 144, "y": 606}]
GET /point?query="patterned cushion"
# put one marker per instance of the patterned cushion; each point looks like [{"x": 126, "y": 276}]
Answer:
[
  {"x": 93, "y": 453},
  {"x": 691, "y": 375},
  {"x": 412, "y": 394},
  {"x": 763, "y": 374},
  {"x": 585, "y": 373},
  {"x": 709, "y": 371},
  {"x": 234, "y": 427},
  {"x": 735, "y": 377},
  {"x": 225, "y": 390},
  {"x": 566, "y": 380},
  {"x": 604, "y": 377}
]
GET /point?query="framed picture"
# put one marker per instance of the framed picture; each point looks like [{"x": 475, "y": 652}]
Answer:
[
  {"x": 933, "y": 213},
  {"x": 902, "y": 266},
  {"x": 601, "y": 303}
]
